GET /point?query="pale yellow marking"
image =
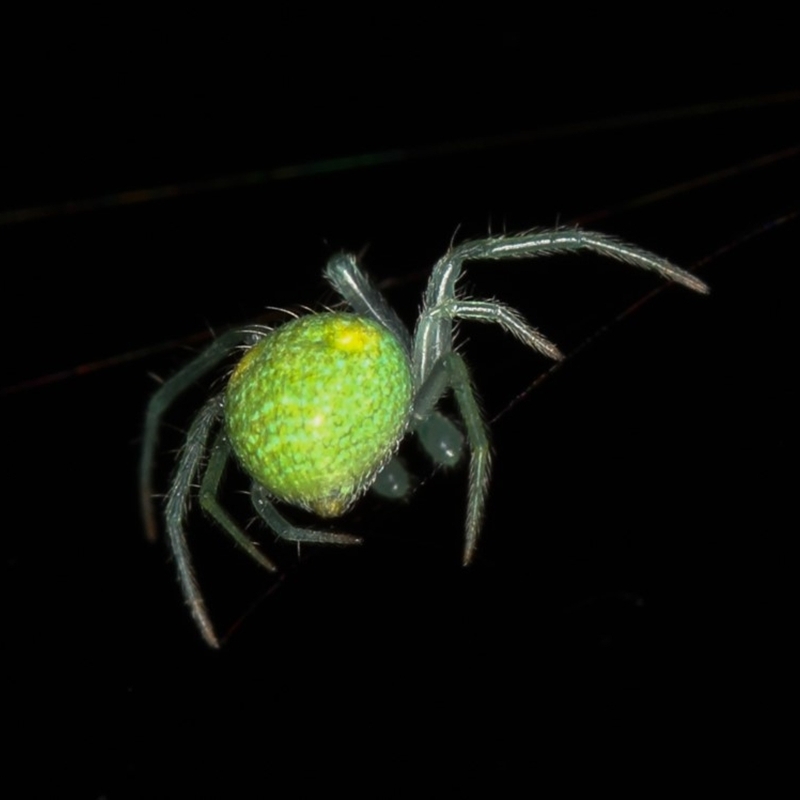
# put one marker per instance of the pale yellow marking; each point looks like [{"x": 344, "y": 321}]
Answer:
[
  {"x": 329, "y": 507},
  {"x": 243, "y": 362},
  {"x": 353, "y": 336}
]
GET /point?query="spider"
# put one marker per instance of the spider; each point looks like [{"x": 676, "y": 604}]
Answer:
[{"x": 315, "y": 410}]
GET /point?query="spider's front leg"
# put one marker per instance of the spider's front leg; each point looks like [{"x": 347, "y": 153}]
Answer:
[
  {"x": 450, "y": 372},
  {"x": 442, "y": 304},
  {"x": 358, "y": 291},
  {"x": 437, "y": 368}
]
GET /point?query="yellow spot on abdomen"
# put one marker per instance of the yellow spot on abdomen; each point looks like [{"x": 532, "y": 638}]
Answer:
[
  {"x": 352, "y": 336},
  {"x": 243, "y": 363}
]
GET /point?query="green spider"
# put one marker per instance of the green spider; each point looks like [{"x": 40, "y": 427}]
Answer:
[{"x": 315, "y": 410}]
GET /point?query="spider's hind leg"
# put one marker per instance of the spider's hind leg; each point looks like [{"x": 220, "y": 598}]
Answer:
[
  {"x": 177, "y": 501},
  {"x": 220, "y": 453},
  {"x": 277, "y": 523},
  {"x": 162, "y": 399}
]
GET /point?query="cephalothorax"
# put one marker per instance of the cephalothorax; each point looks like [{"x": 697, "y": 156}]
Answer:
[{"x": 315, "y": 410}]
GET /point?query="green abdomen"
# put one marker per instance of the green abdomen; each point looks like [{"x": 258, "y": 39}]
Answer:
[{"x": 315, "y": 408}]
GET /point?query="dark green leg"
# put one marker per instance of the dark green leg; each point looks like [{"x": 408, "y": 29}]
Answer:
[
  {"x": 177, "y": 501},
  {"x": 285, "y": 530},
  {"x": 220, "y": 454},
  {"x": 450, "y": 372},
  {"x": 162, "y": 400}
]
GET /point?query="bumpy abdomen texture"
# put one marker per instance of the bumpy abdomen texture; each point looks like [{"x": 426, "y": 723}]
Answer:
[{"x": 315, "y": 408}]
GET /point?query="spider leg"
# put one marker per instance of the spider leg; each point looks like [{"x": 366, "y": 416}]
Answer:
[
  {"x": 441, "y": 287},
  {"x": 450, "y": 372},
  {"x": 439, "y": 437},
  {"x": 161, "y": 400},
  {"x": 220, "y": 453},
  {"x": 358, "y": 291},
  {"x": 509, "y": 319},
  {"x": 177, "y": 501},
  {"x": 434, "y": 335},
  {"x": 262, "y": 503}
]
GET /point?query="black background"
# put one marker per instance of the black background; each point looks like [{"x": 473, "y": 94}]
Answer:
[{"x": 622, "y": 608}]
